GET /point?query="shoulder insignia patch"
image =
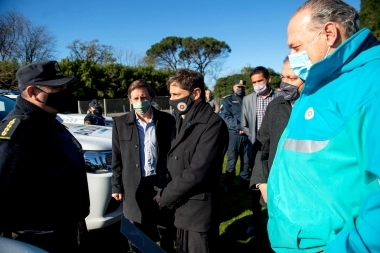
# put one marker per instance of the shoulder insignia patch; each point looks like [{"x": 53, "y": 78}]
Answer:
[{"x": 8, "y": 128}]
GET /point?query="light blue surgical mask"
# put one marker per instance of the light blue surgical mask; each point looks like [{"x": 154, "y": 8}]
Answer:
[
  {"x": 142, "y": 107},
  {"x": 300, "y": 62}
]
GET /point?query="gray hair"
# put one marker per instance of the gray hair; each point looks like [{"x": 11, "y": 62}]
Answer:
[{"x": 337, "y": 11}]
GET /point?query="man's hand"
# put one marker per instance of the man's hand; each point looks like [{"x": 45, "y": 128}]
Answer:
[
  {"x": 263, "y": 190},
  {"x": 241, "y": 132},
  {"x": 117, "y": 196},
  {"x": 157, "y": 198}
]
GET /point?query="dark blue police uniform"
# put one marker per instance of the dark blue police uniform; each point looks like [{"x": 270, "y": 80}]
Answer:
[
  {"x": 94, "y": 119},
  {"x": 43, "y": 183},
  {"x": 238, "y": 144}
]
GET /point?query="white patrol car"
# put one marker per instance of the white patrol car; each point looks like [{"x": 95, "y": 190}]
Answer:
[
  {"x": 75, "y": 118},
  {"x": 96, "y": 143}
]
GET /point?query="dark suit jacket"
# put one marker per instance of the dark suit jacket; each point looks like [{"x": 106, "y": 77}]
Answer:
[
  {"x": 275, "y": 120},
  {"x": 126, "y": 157},
  {"x": 195, "y": 163}
]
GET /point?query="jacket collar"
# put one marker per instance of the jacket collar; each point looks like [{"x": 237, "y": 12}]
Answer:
[{"x": 349, "y": 55}]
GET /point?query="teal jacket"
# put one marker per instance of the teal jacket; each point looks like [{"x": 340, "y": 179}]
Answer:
[{"x": 323, "y": 188}]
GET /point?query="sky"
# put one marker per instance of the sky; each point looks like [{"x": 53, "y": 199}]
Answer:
[{"x": 254, "y": 30}]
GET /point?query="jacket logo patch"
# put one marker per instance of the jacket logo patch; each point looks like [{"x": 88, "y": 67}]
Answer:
[{"x": 309, "y": 114}]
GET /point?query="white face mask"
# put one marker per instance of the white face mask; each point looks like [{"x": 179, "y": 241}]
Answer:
[
  {"x": 300, "y": 62},
  {"x": 260, "y": 89}
]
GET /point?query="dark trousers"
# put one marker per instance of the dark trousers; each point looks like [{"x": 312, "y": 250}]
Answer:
[
  {"x": 156, "y": 224},
  {"x": 238, "y": 147},
  {"x": 198, "y": 242},
  {"x": 256, "y": 208}
]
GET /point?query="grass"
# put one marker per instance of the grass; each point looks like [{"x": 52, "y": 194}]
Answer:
[{"x": 236, "y": 216}]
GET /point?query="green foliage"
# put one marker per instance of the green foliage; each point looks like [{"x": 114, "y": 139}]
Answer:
[
  {"x": 370, "y": 16},
  {"x": 275, "y": 78},
  {"x": 110, "y": 80},
  {"x": 197, "y": 54},
  {"x": 224, "y": 85},
  {"x": 8, "y": 70}
]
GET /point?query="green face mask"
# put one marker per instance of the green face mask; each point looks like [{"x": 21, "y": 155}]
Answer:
[{"x": 142, "y": 107}]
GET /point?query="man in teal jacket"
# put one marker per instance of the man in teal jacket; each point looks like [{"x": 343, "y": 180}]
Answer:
[{"x": 323, "y": 189}]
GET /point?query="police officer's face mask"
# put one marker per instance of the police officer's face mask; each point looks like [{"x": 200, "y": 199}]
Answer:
[
  {"x": 240, "y": 91},
  {"x": 57, "y": 100},
  {"x": 95, "y": 111}
]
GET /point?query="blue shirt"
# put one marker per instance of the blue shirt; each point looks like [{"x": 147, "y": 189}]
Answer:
[{"x": 148, "y": 146}]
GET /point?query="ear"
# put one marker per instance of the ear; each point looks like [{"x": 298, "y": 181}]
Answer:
[
  {"x": 197, "y": 93},
  {"x": 333, "y": 36},
  {"x": 30, "y": 91}
]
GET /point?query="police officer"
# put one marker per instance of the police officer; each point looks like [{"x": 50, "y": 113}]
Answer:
[
  {"x": 238, "y": 146},
  {"x": 94, "y": 117},
  {"x": 43, "y": 185}
]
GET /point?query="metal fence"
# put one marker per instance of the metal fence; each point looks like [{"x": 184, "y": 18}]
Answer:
[{"x": 120, "y": 105}]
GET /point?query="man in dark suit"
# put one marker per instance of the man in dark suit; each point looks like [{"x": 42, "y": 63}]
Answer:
[
  {"x": 195, "y": 163},
  {"x": 140, "y": 143}
]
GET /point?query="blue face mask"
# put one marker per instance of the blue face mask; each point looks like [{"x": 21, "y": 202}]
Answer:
[{"x": 300, "y": 62}]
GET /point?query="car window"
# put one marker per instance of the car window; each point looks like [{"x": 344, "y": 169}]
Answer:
[{"x": 6, "y": 105}]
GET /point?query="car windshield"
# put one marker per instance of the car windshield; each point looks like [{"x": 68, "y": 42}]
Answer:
[{"x": 6, "y": 105}]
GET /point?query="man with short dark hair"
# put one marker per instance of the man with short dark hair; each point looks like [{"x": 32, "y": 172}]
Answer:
[
  {"x": 43, "y": 183},
  {"x": 140, "y": 143},
  {"x": 252, "y": 114},
  {"x": 323, "y": 188},
  {"x": 194, "y": 163}
]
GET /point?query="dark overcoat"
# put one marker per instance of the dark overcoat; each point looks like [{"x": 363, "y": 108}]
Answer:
[
  {"x": 126, "y": 158},
  {"x": 195, "y": 163},
  {"x": 274, "y": 122}
]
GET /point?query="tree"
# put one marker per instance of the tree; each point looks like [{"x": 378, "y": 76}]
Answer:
[
  {"x": 198, "y": 54},
  {"x": 110, "y": 80},
  {"x": 166, "y": 53},
  {"x": 8, "y": 70},
  {"x": 129, "y": 57},
  {"x": 10, "y": 33},
  {"x": 370, "y": 16},
  {"x": 36, "y": 44},
  {"x": 91, "y": 51},
  {"x": 23, "y": 41},
  {"x": 224, "y": 85}
]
